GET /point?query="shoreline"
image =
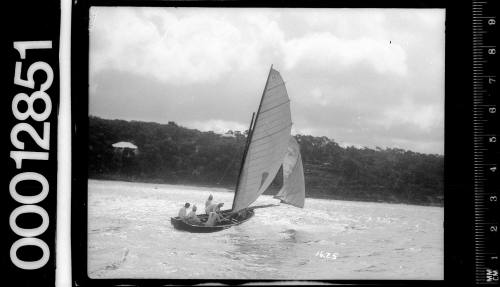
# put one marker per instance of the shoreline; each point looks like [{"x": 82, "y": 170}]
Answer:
[{"x": 229, "y": 189}]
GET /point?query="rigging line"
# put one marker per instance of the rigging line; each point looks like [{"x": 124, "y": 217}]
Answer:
[
  {"x": 262, "y": 206},
  {"x": 227, "y": 168}
]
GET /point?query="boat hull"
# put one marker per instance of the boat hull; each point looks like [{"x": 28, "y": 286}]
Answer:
[{"x": 200, "y": 228}]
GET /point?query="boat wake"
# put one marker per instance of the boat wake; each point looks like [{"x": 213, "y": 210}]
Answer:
[{"x": 111, "y": 266}]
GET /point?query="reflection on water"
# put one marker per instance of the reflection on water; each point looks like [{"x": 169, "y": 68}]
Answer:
[
  {"x": 290, "y": 235},
  {"x": 130, "y": 235}
]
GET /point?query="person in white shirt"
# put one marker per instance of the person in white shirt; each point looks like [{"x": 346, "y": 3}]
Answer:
[
  {"x": 191, "y": 217},
  {"x": 214, "y": 207},
  {"x": 213, "y": 218},
  {"x": 208, "y": 203},
  {"x": 183, "y": 211}
]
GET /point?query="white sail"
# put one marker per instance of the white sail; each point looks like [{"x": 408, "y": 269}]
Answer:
[
  {"x": 268, "y": 142},
  {"x": 293, "y": 190}
]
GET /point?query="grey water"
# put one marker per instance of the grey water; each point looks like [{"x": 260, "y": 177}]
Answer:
[{"x": 130, "y": 236}]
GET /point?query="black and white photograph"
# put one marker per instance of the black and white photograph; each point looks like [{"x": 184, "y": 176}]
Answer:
[{"x": 265, "y": 143}]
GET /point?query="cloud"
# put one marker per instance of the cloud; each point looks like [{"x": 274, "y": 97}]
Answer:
[
  {"x": 324, "y": 50},
  {"x": 202, "y": 47},
  {"x": 367, "y": 77},
  {"x": 216, "y": 125},
  {"x": 318, "y": 98},
  {"x": 424, "y": 117},
  {"x": 199, "y": 47}
]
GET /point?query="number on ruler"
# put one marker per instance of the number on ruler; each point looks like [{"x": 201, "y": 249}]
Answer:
[
  {"x": 491, "y": 275},
  {"x": 491, "y": 22}
]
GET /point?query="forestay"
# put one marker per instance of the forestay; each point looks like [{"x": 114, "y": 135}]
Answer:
[
  {"x": 268, "y": 142},
  {"x": 293, "y": 190}
]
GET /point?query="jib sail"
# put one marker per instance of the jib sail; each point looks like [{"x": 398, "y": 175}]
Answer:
[{"x": 293, "y": 190}]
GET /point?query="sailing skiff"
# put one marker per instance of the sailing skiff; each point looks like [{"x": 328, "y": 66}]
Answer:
[
  {"x": 200, "y": 228},
  {"x": 269, "y": 146}
]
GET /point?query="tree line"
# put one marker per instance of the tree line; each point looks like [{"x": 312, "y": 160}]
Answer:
[{"x": 169, "y": 153}]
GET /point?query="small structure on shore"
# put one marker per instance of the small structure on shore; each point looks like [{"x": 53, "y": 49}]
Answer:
[
  {"x": 125, "y": 149},
  {"x": 228, "y": 134}
]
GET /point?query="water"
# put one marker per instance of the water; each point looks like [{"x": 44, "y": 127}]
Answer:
[{"x": 130, "y": 236}]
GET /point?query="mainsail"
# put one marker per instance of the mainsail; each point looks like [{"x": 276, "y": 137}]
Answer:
[
  {"x": 268, "y": 142},
  {"x": 293, "y": 190}
]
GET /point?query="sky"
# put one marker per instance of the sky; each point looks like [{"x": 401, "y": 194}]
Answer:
[{"x": 362, "y": 77}]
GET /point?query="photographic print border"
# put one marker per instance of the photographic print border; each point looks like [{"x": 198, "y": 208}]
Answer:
[{"x": 458, "y": 142}]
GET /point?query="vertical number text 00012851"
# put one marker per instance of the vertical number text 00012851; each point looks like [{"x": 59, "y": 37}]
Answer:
[{"x": 29, "y": 203}]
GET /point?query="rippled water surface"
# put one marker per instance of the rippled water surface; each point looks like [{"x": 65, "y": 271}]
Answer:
[{"x": 130, "y": 236}]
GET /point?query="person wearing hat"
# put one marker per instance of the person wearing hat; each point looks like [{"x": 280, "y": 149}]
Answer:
[
  {"x": 214, "y": 207},
  {"x": 208, "y": 203},
  {"x": 183, "y": 211},
  {"x": 191, "y": 217},
  {"x": 213, "y": 219}
]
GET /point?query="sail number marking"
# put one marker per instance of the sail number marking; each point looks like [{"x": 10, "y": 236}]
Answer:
[{"x": 23, "y": 108}]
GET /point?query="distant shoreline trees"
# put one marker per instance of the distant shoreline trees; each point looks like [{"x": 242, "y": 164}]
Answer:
[{"x": 169, "y": 153}]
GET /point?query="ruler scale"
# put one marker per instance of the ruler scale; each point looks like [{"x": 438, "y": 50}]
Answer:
[{"x": 485, "y": 136}]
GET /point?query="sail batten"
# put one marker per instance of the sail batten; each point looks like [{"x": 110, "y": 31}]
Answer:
[
  {"x": 273, "y": 127},
  {"x": 273, "y": 99},
  {"x": 268, "y": 143},
  {"x": 282, "y": 84},
  {"x": 274, "y": 133},
  {"x": 274, "y": 107}
]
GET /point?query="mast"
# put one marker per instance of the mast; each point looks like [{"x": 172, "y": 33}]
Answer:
[
  {"x": 243, "y": 159},
  {"x": 262, "y": 97},
  {"x": 250, "y": 134}
]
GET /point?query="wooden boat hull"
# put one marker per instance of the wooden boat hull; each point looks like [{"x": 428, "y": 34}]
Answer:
[{"x": 200, "y": 228}]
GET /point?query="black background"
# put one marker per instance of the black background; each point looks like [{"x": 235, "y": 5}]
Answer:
[
  {"x": 458, "y": 196},
  {"x": 24, "y": 20},
  {"x": 37, "y": 21}
]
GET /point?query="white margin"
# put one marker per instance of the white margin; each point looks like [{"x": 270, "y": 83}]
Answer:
[{"x": 63, "y": 226}]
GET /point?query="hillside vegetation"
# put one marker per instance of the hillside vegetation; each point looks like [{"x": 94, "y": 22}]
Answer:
[{"x": 169, "y": 153}]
